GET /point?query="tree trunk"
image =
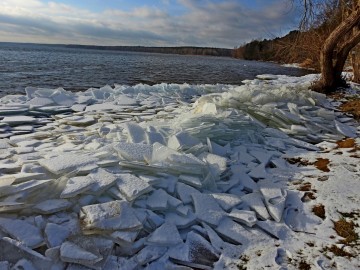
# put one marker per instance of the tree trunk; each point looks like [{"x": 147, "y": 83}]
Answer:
[
  {"x": 355, "y": 61},
  {"x": 330, "y": 74}
]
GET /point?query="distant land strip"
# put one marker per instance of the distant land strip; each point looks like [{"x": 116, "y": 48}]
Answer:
[{"x": 186, "y": 50}]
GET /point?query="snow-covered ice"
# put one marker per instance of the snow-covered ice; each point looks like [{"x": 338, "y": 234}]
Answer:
[{"x": 177, "y": 177}]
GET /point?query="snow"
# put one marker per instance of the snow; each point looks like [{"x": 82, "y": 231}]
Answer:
[{"x": 173, "y": 176}]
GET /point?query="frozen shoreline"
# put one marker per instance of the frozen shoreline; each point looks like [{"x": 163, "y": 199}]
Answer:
[{"x": 199, "y": 172}]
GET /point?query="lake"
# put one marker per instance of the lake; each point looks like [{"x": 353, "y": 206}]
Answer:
[{"x": 23, "y": 65}]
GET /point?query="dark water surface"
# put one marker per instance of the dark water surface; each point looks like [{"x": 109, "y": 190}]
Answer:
[{"x": 24, "y": 65}]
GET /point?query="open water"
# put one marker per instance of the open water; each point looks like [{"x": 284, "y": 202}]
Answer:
[{"x": 23, "y": 65}]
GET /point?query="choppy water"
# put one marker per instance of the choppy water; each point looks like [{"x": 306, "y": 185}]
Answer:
[{"x": 24, "y": 65}]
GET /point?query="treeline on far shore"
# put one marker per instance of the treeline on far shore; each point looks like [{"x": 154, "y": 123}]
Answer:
[{"x": 186, "y": 50}]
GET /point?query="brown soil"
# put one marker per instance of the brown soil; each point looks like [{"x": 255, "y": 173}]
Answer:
[
  {"x": 305, "y": 187},
  {"x": 322, "y": 164},
  {"x": 304, "y": 266},
  {"x": 347, "y": 143},
  {"x": 346, "y": 230},
  {"x": 319, "y": 210},
  {"x": 352, "y": 107},
  {"x": 339, "y": 252},
  {"x": 323, "y": 178}
]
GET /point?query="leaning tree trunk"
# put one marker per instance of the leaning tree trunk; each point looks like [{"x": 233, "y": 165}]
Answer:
[
  {"x": 332, "y": 63},
  {"x": 355, "y": 62}
]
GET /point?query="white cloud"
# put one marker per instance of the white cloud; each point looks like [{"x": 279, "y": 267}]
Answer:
[{"x": 205, "y": 23}]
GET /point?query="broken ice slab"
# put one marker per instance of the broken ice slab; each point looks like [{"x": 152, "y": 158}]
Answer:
[
  {"x": 78, "y": 121},
  {"x": 132, "y": 186},
  {"x": 124, "y": 237},
  {"x": 345, "y": 129},
  {"x": 52, "y": 206},
  {"x": 190, "y": 180},
  {"x": 226, "y": 201},
  {"x": 29, "y": 186},
  {"x": 135, "y": 133},
  {"x": 176, "y": 162},
  {"x": 72, "y": 253},
  {"x": 101, "y": 180},
  {"x": 243, "y": 216},
  {"x": 274, "y": 197},
  {"x": 274, "y": 229},
  {"x": 11, "y": 206},
  {"x": 23, "y": 231},
  {"x": 77, "y": 185},
  {"x": 246, "y": 181},
  {"x": 55, "y": 234},
  {"x": 217, "y": 149},
  {"x": 134, "y": 151},
  {"x": 161, "y": 200},
  {"x": 217, "y": 164},
  {"x": 13, "y": 251},
  {"x": 18, "y": 120},
  {"x": 67, "y": 162},
  {"x": 181, "y": 222},
  {"x": 185, "y": 191},
  {"x": 182, "y": 141},
  {"x": 207, "y": 209},
  {"x": 4, "y": 265},
  {"x": 255, "y": 202},
  {"x": 111, "y": 216},
  {"x": 259, "y": 172},
  {"x": 200, "y": 250},
  {"x": 234, "y": 232},
  {"x": 149, "y": 254},
  {"x": 166, "y": 235}
]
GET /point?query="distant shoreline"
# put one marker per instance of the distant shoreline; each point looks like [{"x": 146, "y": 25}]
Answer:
[{"x": 182, "y": 50}]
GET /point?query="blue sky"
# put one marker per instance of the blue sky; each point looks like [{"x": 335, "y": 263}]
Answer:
[{"x": 214, "y": 23}]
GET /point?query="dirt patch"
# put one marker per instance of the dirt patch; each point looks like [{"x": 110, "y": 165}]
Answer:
[
  {"x": 338, "y": 251},
  {"x": 299, "y": 161},
  {"x": 304, "y": 266},
  {"x": 352, "y": 107},
  {"x": 347, "y": 143},
  {"x": 346, "y": 230},
  {"x": 305, "y": 187},
  {"x": 322, "y": 164},
  {"x": 323, "y": 178},
  {"x": 319, "y": 210},
  {"x": 308, "y": 196}
]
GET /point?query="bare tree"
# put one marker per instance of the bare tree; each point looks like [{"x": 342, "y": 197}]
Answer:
[{"x": 338, "y": 44}]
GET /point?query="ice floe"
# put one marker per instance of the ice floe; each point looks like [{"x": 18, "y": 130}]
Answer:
[{"x": 160, "y": 177}]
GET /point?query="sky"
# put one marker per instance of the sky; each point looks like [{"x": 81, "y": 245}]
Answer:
[{"x": 208, "y": 23}]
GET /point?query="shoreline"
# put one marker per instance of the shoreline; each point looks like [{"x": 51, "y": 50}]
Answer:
[{"x": 209, "y": 182}]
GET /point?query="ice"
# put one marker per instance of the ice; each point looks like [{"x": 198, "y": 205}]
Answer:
[
  {"x": 52, "y": 206},
  {"x": 67, "y": 162},
  {"x": 13, "y": 251},
  {"x": 76, "y": 186},
  {"x": 101, "y": 180},
  {"x": 23, "y": 231},
  {"x": 207, "y": 209},
  {"x": 119, "y": 178},
  {"x": 275, "y": 198},
  {"x": 132, "y": 186},
  {"x": 182, "y": 141},
  {"x": 246, "y": 217},
  {"x": 166, "y": 235},
  {"x": 234, "y": 232},
  {"x": 72, "y": 253},
  {"x": 226, "y": 201},
  {"x": 18, "y": 120},
  {"x": 115, "y": 215},
  {"x": 134, "y": 151},
  {"x": 55, "y": 234}
]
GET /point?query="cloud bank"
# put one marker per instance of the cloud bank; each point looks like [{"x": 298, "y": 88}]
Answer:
[{"x": 200, "y": 23}]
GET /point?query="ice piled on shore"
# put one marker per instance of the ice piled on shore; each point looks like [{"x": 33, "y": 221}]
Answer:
[{"x": 155, "y": 176}]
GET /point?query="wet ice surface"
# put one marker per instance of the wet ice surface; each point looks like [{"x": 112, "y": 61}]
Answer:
[{"x": 157, "y": 177}]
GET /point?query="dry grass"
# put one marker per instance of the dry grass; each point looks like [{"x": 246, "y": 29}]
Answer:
[
  {"x": 347, "y": 143},
  {"x": 346, "y": 230},
  {"x": 339, "y": 252},
  {"x": 319, "y": 210},
  {"x": 304, "y": 266},
  {"x": 352, "y": 107},
  {"x": 322, "y": 164}
]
